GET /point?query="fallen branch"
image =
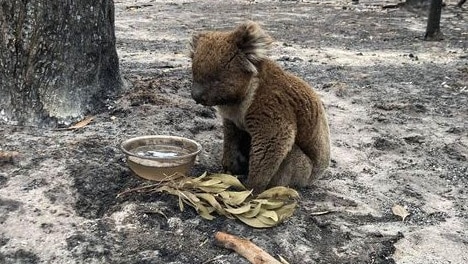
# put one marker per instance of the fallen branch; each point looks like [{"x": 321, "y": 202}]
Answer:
[
  {"x": 245, "y": 248},
  {"x": 86, "y": 121}
]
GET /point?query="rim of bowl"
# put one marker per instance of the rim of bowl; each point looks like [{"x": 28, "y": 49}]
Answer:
[{"x": 198, "y": 145}]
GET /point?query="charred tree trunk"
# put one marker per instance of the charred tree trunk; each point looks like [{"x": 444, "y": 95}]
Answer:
[
  {"x": 433, "y": 21},
  {"x": 57, "y": 59}
]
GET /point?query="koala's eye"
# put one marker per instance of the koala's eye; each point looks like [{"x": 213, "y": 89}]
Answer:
[
  {"x": 216, "y": 83},
  {"x": 230, "y": 60}
]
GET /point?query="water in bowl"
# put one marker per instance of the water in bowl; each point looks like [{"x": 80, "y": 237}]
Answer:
[{"x": 160, "y": 151}]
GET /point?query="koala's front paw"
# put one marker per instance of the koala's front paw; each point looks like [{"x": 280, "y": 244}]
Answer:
[
  {"x": 256, "y": 186},
  {"x": 236, "y": 164}
]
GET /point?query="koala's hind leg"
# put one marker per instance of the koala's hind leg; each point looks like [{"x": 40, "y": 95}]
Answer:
[
  {"x": 295, "y": 170},
  {"x": 236, "y": 149}
]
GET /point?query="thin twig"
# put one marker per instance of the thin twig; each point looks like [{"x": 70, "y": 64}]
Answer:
[
  {"x": 320, "y": 212},
  {"x": 175, "y": 181},
  {"x": 138, "y": 189}
]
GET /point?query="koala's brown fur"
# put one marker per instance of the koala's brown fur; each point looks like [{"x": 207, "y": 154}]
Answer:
[{"x": 275, "y": 126}]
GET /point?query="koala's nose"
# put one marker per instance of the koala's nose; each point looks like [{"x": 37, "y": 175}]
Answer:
[
  {"x": 196, "y": 96},
  {"x": 198, "y": 101},
  {"x": 197, "y": 93}
]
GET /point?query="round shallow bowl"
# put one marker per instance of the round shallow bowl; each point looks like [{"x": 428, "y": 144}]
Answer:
[{"x": 160, "y": 158}]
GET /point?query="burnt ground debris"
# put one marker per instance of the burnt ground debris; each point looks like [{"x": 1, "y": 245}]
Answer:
[{"x": 398, "y": 118}]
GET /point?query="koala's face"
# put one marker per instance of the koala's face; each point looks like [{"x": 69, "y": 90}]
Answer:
[
  {"x": 223, "y": 63},
  {"x": 219, "y": 76}
]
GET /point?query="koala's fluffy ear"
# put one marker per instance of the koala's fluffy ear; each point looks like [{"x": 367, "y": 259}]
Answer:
[
  {"x": 193, "y": 43},
  {"x": 253, "y": 42}
]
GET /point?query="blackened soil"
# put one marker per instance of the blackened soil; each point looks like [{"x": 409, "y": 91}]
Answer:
[{"x": 398, "y": 119}]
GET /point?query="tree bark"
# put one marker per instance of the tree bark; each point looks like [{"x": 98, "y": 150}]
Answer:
[
  {"x": 459, "y": 4},
  {"x": 58, "y": 59},
  {"x": 433, "y": 21}
]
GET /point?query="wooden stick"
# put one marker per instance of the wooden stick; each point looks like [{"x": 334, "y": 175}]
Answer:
[
  {"x": 245, "y": 248},
  {"x": 140, "y": 188}
]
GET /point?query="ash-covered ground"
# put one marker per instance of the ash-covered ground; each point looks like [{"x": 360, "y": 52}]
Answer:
[{"x": 398, "y": 113}]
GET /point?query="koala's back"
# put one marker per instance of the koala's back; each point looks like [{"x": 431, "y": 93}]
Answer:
[{"x": 288, "y": 99}]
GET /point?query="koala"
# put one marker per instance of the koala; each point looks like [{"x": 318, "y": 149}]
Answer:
[{"x": 274, "y": 124}]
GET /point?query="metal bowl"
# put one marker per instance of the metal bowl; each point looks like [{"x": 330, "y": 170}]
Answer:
[{"x": 160, "y": 158}]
